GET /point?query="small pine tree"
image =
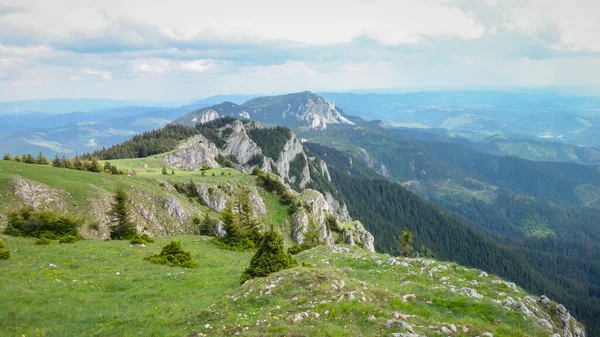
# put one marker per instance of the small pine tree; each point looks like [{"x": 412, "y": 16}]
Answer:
[
  {"x": 172, "y": 171},
  {"x": 28, "y": 159},
  {"x": 108, "y": 167},
  {"x": 232, "y": 230},
  {"x": 7, "y": 157},
  {"x": 114, "y": 170},
  {"x": 18, "y": 159},
  {"x": 222, "y": 173},
  {"x": 270, "y": 257},
  {"x": 122, "y": 228},
  {"x": 213, "y": 174},
  {"x": 405, "y": 243},
  {"x": 42, "y": 160},
  {"x": 164, "y": 171},
  {"x": 94, "y": 165},
  {"x": 57, "y": 162},
  {"x": 255, "y": 171}
]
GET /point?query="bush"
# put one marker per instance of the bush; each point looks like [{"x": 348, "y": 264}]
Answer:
[
  {"x": 173, "y": 255},
  {"x": 141, "y": 239},
  {"x": 4, "y": 254},
  {"x": 240, "y": 245},
  {"x": 1, "y": 244},
  {"x": 43, "y": 241},
  {"x": 271, "y": 257},
  {"x": 31, "y": 223},
  {"x": 147, "y": 238},
  {"x": 68, "y": 239}
]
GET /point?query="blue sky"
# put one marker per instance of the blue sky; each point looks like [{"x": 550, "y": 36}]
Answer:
[{"x": 184, "y": 49}]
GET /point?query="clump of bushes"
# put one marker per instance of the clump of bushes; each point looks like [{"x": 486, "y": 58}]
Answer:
[
  {"x": 141, "y": 239},
  {"x": 173, "y": 255},
  {"x": 68, "y": 239},
  {"x": 270, "y": 257},
  {"x": 31, "y": 223},
  {"x": 272, "y": 184},
  {"x": 4, "y": 253},
  {"x": 43, "y": 241}
]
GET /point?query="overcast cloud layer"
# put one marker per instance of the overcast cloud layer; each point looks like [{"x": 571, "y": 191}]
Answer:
[{"x": 180, "y": 49}]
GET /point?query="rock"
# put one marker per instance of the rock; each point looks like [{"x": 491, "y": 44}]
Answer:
[
  {"x": 471, "y": 292},
  {"x": 483, "y": 274},
  {"x": 219, "y": 230},
  {"x": 487, "y": 334},
  {"x": 378, "y": 262},
  {"x": 213, "y": 197},
  {"x": 408, "y": 297},
  {"x": 544, "y": 300},
  {"x": 38, "y": 195},
  {"x": 258, "y": 204},
  {"x": 545, "y": 324},
  {"x": 196, "y": 151},
  {"x": 240, "y": 145},
  {"x": 299, "y": 222},
  {"x": 371, "y": 318},
  {"x": 474, "y": 284},
  {"x": 565, "y": 318},
  {"x": 388, "y": 324},
  {"x": 445, "y": 331},
  {"x": 452, "y": 327},
  {"x": 401, "y": 334},
  {"x": 520, "y": 307},
  {"x": 509, "y": 302},
  {"x": 174, "y": 209}
]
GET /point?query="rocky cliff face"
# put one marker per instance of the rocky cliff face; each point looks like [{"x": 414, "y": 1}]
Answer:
[{"x": 303, "y": 109}]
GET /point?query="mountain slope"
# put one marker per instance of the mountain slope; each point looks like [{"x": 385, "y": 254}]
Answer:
[{"x": 303, "y": 109}]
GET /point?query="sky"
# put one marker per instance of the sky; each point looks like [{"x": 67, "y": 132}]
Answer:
[{"x": 188, "y": 49}]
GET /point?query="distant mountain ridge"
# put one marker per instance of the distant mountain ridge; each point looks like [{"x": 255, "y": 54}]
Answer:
[{"x": 303, "y": 109}]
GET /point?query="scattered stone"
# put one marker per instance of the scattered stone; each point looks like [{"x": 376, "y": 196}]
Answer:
[
  {"x": 487, "y": 334},
  {"x": 483, "y": 274},
  {"x": 471, "y": 292},
  {"x": 378, "y": 262},
  {"x": 452, "y": 327},
  {"x": 474, "y": 283},
  {"x": 545, "y": 324},
  {"x": 544, "y": 300},
  {"x": 445, "y": 331},
  {"x": 408, "y": 297},
  {"x": 371, "y": 318}
]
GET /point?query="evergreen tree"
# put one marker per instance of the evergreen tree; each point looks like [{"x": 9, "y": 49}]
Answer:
[
  {"x": 18, "y": 159},
  {"x": 114, "y": 170},
  {"x": 42, "y": 160},
  {"x": 107, "y": 167},
  {"x": 57, "y": 162},
  {"x": 232, "y": 231},
  {"x": 270, "y": 257},
  {"x": 164, "y": 171},
  {"x": 7, "y": 157},
  {"x": 94, "y": 165},
  {"x": 77, "y": 164},
  {"x": 172, "y": 171},
  {"x": 28, "y": 159},
  {"x": 122, "y": 228},
  {"x": 405, "y": 243}
]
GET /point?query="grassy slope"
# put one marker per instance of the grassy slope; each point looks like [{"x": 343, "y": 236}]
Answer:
[
  {"x": 83, "y": 187},
  {"x": 83, "y": 295}
]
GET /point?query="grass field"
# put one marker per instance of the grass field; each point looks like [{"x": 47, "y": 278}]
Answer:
[{"x": 97, "y": 288}]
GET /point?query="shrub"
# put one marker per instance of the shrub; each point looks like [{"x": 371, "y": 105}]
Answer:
[
  {"x": 141, "y": 239},
  {"x": 173, "y": 255},
  {"x": 68, "y": 239},
  {"x": 147, "y": 238},
  {"x": 240, "y": 245},
  {"x": 1, "y": 244},
  {"x": 43, "y": 241},
  {"x": 31, "y": 223},
  {"x": 4, "y": 254},
  {"x": 271, "y": 257}
]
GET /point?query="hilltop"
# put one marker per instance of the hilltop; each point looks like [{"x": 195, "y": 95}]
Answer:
[{"x": 303, "y": 109}]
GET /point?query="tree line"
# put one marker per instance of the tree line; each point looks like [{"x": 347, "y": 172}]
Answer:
[{"x": 72, "y": 163}]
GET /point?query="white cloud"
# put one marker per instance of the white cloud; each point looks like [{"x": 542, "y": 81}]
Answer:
[
  {"x": 199, "y": 65},
  {"x": 153, "y": 66},
  {"x": 105, "y": 75}
]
